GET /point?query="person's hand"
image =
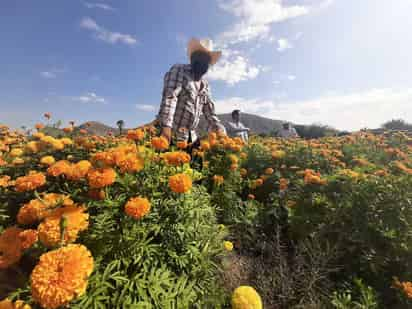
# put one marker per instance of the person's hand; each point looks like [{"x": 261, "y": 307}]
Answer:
[{"x": 167, "y": 133}]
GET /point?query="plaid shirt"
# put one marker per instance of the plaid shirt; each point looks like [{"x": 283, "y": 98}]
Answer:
[{"x": 183, "y": 103}]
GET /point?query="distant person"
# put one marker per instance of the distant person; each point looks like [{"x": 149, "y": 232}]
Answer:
[
  {"x": 236, "y": 128},
  {"x": 287, "y": 131},
  {"x": 186, "y": 95}
]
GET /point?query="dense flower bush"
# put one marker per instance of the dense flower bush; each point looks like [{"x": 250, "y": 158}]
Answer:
[{"x": 133, "y": 222}]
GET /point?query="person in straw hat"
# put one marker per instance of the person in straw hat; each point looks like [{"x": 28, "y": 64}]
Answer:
[{"x": 186, "y": 95}]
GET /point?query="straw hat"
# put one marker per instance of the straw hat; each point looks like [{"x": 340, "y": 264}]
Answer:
[{"x": 206, "y": 46}]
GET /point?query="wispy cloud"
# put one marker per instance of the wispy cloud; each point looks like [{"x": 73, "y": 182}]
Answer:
[
  {"x": 145, "y": 107},
  {"x": 91, "y": 97},
  {"x": 105, "y": 35},
  {"x": 353, "y": 111},
  {"x": 233, "y": 68},
  {"x": 101, "y": 6},
  {"x": 291, "y": 77},
  {"x": 254, "y": 18},
  {"x": 48, "y": 74}
]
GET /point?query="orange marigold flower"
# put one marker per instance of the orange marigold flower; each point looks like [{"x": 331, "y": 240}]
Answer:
[
  {"x": 176, "y": 158},
  {"x": 47, "y": 160},
  {"x": 28, "y": 238},
  {"x": 33, "y": 147},
  {"x": 61, "y": 275},
  {"x": 131, "y": 163},
  {"x": 180, "y": 183},
  {"x": 79, "y": 170},
  {"x": 233, "y": 167},
  {"x": 313, "y": 178},
  {"x": 30, "y": 182},
  {"x": 61, "y": 167},
  {"x": 405, "y": 287},
  {"x": 269, "y": 171},
  {"x": 4, "y": 181},
  {"x": 37, "y": 209},
  {"x": 10, "y": 247},
  {"x": 160, "y": 143},
  {"x": 18, "y": 304},
  {"x": 135, "y": 135},
  {"x": 39, "y": 126},
  {"x": 278, "y": 154},
  {"x": 182, "y": 144},
  {"x": 283, "y": 184},
  {"x": 68, "y": 129},
  {"x": 137, "y": 207},
  {"x": 83, "y": 131},
  {"x": 16, "y": 152},
  {"x": 101, "y": 177},
  {"x": 96, "y": 194},
  {"x": 205, "y": 145},
  {"x": 218, "y": 180},
  {"x": 73, "y": 219}
]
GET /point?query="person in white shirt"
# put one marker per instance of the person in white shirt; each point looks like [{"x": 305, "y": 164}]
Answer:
[
  {"x": 236, "y": 128},
  {"x": 287, "y": 131}
]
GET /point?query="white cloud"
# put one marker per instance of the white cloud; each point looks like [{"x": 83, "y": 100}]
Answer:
[
  {"x": 233, "y": 68},
  {"x": 105, "y": 35},
  {"x": 284, "y": 44},
  {"x": 102, "y": 6},
  {"x": 352, "y": 111},
  {"x": 291, "y": 77},
  {"x": 48, "y": 74},
  {"x": 255, "y": 18},
  {"x": 145, "y": 107},
  {"x": 91, "y": 97}
]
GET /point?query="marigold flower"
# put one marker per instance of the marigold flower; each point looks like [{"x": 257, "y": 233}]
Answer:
[
  {"x": 79, "y": 170},
  {"x": 228, "y": 245},
  {"x": 18, "y": 304},
  {"x": 278, "y": 154},
  {"x": 246, "y": 297},
  {"x": 68, "y": 129},
  {"x": 204, "y": 145},
  {"x": 17, "y": 161},
  {"x": 28, "y": 238},
  {"x": 180, "y": 183},
  {"x": 135, "y": 135},
  {"x": 269, "y": 171},
  {"x": 30, "y": 182},
  {"x": 4, "y": 181},
  {"x": 313, "y": 178},
  {"x": 16, "y": 152},
  {"x": 405, "y": 287},
  {"x": 176, "y": 158},
  {"x": 66, "y": 141},
  {"x": 37, "y": 209},
  {"x": 218, "y": 180},
  {"x": 234, "y": 167},
  {"x": 182, "y": 144},
  {"x": 96, "y": 194},
  {"x": 61, "y": 275},
  {"x": 47, "y": 160},
  {"x": 160, "y": 143},
  {"x": 101, "y": 177},
  {"x": 234, "y": 159},
  {"x": 10, "y": 247},
  {"x": 283, "y": 184},
  {"x": 39, "y": 126},
  {"x": 61, "y": 167},
  {"x": 137, "y": 207},
  {"x": 73, "y": 219}
]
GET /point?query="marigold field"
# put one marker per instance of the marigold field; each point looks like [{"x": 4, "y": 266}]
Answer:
[{"x": 133, "y": 222}]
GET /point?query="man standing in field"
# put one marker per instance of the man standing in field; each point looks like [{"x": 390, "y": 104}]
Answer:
[
  {"x": 287, "y": 131},
  {"x": 236, "y": 128},
  {"x": 186, "y": 95}
]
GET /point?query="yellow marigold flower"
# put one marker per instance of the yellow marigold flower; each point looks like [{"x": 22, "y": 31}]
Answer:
[
  {"x": 2, "y": 162},
  {"x": 269, "y": 171},
  {"x": 17, "y": 161},
  {"x": 10, "y": 247},
  {"x": 30, "y": 182},
  {"x": 246, "y": 297},
  {"x": 349, "y": 173},
  {"x": 47, "y": 160},
  {"x": 278, "y": 154},
  {"x": 180, "y": 183},
  {"x": 37, "y": 209},
  {"x": 79, "y": 170},
  {"x": 283, "y": 184},
  {"x": 137, "y": 207},
  {"x": 66, "y": 141},
  {"x": 243, "y": 155},
  {"x": 234, "y": 159},
  {"x": 38, "y": 135},
  {"x": 228, "y": 245},
  {"x": 313, "y": 178},
  {"x": 4, "y": 181},
  {"x": 61, "y": 167},
  {"x": 135, "y": 135},
  {"x": 61, "y": 275},
  {"x": 57, "y": 145},
  {"x": 181, "y": 144},
  {"x": 176, "y": 158},
  {"x": 73, "y": 219},
  {"x": 101, "y": 177},
  {"x": 160, "y": 143},
  {"x": 205, "y": 145},
  {"x": 402, "y": 167},
  {"x": 28, "y": 238},
  {"x": 16, "y": 152},
  {"x": 218, "y": 180}
]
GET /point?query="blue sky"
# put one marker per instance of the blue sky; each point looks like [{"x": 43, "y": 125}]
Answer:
[{"x": 344, "y": 63}]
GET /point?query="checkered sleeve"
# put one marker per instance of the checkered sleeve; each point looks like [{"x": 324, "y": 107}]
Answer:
[
  {"x": 173, "y": 81},
  {"x": 210, "y": 114}
]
